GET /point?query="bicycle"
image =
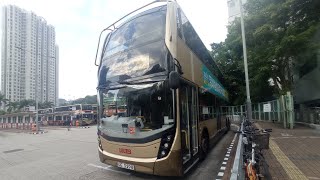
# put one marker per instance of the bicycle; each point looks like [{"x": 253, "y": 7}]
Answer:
[{"x": 255, "y": 141}]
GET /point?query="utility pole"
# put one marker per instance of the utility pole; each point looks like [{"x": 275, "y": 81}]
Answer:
[
  {"x": 37, "y": 116},
  {"x": 244, "y": 46}
]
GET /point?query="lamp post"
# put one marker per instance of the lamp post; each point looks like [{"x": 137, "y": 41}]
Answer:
[{"x": 244, "y": 47}]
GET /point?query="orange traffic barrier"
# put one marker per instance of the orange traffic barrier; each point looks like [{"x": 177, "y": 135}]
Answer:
[{"x": 77, "y": 123}]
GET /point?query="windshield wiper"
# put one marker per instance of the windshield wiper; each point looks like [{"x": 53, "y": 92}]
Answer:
[
  {"x": 138, "y": 82},
  {"x": 143, "y": 81},
  {"x": 111, "y": 87}
]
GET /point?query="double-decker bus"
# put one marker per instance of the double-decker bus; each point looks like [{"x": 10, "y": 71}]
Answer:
[
  {"x": 62, "y": 115},
  {"x": 159, "y": 93},
  {"x": 86, "y": 114}
]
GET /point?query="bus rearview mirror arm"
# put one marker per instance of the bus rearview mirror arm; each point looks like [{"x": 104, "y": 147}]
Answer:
[
  {"x": 177, "y": 63},
  {"x": 174, "y": 80}
]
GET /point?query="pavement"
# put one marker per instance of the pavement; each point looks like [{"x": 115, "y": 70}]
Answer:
[
  {"x": 61, "y": 154},
  {"x": 293, "y": 153}
]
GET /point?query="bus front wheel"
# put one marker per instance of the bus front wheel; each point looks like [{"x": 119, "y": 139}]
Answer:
[{"x": 204, "y": 145}]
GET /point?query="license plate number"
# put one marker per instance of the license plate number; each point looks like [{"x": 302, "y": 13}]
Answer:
[{"x": 125, "y": 166}]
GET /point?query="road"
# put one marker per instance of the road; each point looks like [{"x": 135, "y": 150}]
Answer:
[{"x": 62, "y": 154}]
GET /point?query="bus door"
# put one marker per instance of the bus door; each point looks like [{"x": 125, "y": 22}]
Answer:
[{"x": 189, "y": 125}]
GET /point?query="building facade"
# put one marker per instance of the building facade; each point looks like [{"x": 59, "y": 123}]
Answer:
[
  {"x": 234, "y": 9},
  {"x": 29, "y": 56}
]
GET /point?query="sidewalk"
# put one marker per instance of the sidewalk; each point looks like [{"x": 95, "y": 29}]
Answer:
[{"x": 294, "y": 153}]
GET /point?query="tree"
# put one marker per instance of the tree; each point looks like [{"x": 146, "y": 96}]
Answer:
[
  {"x": 3, "y": 99},
  {"x": 282, "y": 36},
  {"x": 26, "y": 102},
  {"x": 86, "y": 100},
  {"x": 12, "y": 107},
  {"x": 45, "y": 105},
  {"x": 232, "y": 70}
]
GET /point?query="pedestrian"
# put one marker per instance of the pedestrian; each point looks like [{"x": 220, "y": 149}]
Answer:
[{"x": 69, "y": 126}]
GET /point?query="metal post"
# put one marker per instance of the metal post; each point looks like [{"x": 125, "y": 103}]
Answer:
[
  {"x": 278, "y": 110},
  {"x": 269, "y": 114},
  {"x": 244, "y": 46},
  {"x": 37, "y": 120},
  {"x": 283, "y": 110},
  {"x": 259, "y": 111},
  {"x": 290, "y": 110}
]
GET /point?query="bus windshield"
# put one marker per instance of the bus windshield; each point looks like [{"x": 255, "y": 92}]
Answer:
[
  {"x": 136, "y": 47},
  {"x": 136, "y": 111}
]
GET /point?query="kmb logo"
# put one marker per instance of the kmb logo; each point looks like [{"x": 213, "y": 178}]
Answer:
[{"x": 125, "y": 151}]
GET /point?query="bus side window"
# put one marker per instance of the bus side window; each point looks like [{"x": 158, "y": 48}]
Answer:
[
  {"x": 179, "y": 24},
  {"x": 206, "y": 105}
]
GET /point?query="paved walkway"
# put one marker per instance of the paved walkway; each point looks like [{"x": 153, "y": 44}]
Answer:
[{"x": 293, "y": 154}]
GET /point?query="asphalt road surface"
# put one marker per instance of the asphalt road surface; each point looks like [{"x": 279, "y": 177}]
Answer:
[{"x": 61, "y": 154}]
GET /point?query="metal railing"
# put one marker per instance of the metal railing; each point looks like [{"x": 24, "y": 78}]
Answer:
[
  {"x": 280, "y": 110},
  {"x": 237, "y": 171}
]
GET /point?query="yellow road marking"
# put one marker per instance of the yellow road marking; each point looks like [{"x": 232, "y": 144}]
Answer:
[{"x": 291, "y": 169}]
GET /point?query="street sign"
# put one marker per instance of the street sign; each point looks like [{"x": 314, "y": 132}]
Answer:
[
  {"x": 32, "y": 108},
  {"x": 267, "y": 107}
]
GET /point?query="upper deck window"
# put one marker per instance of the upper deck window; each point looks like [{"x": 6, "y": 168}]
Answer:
[
  {"x": 136, "y": 47},
  {"x": 143, "y": 28}
]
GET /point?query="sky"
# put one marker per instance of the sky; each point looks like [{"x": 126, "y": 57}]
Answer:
[{"x": 79, "y": 22}]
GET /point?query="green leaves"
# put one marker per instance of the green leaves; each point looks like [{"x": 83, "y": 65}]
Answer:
[{"x": 283, "y": 38}]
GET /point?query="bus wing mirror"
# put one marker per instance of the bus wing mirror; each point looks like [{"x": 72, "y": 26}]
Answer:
[{"x": 174, "y": 80}]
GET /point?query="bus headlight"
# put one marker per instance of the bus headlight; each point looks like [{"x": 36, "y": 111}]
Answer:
[
  {"x": 165, "y": 146},
  {"x": 163, "y": 153}
]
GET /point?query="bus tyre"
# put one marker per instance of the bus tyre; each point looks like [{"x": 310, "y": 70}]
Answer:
[{"x": 204, "y": 145}]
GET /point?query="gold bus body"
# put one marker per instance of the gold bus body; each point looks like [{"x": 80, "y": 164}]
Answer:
[{"x": 144, "y": 156}]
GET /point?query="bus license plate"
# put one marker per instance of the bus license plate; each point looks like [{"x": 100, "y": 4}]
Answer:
[{"x": 125, "y": 166}]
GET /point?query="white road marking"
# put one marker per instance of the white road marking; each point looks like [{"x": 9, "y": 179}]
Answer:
[
  {"x": 227, "y": 155},
  {"x": 220, "y": 174},
  {"x": 108, "y": 169},
  {"x": 223, "y": 168},
  {"x": 224, "y": 163},
  {"x": 226, "y": 159}
]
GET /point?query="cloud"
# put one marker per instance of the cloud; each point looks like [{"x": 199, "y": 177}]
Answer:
[{"x": 79, "y": 22}]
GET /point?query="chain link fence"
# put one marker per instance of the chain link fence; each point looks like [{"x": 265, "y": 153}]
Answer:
[{"x": 279, "y": 110}]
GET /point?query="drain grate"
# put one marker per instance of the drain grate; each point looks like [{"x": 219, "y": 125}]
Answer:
[{"x": 13, "y": 150}]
